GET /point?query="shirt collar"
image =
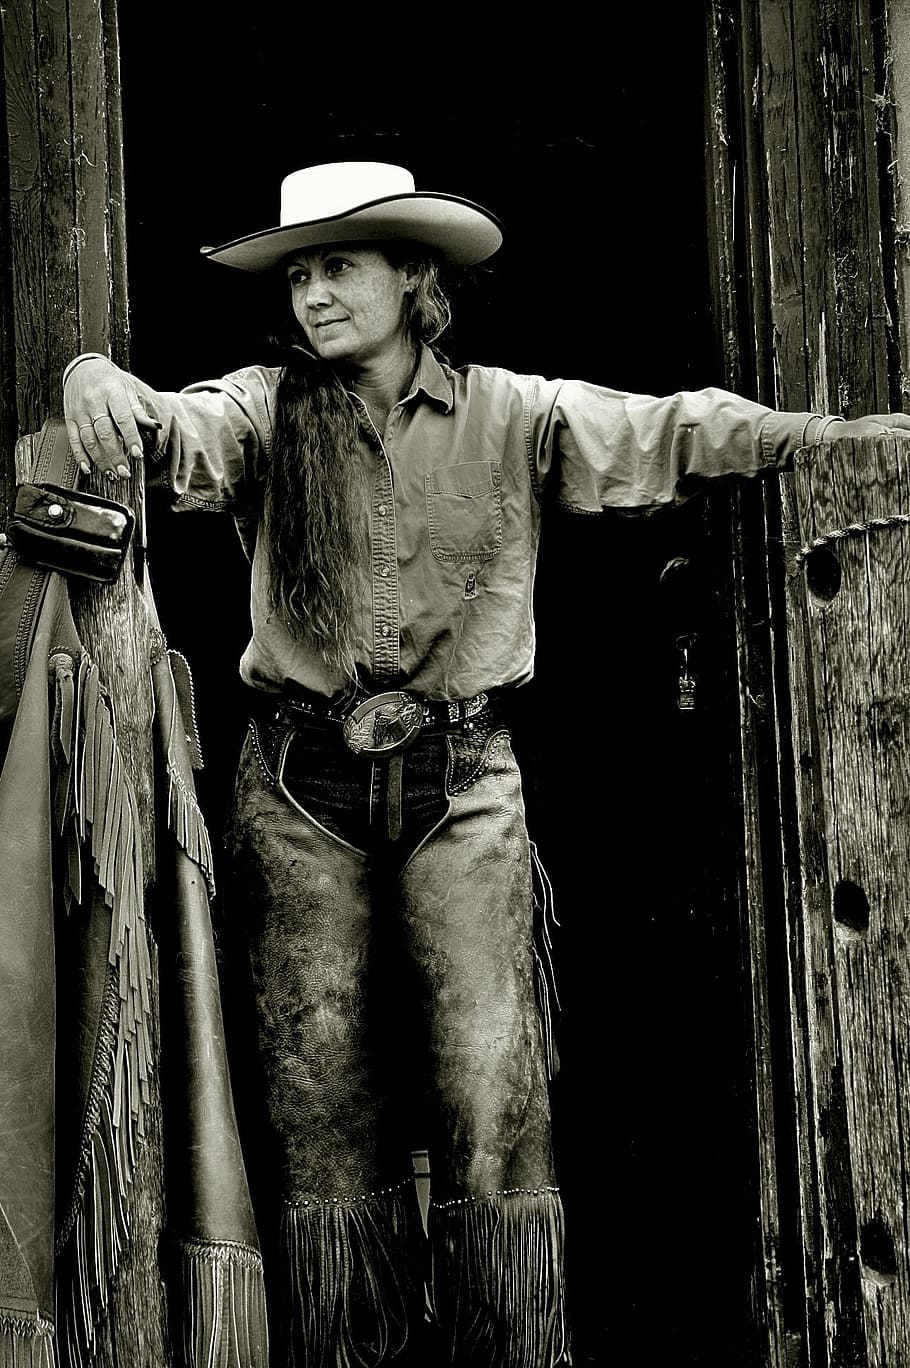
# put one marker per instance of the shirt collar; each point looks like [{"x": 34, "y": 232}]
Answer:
[
  {"x": 432, "y": 380},
  {"x": 429, "y": 377}
]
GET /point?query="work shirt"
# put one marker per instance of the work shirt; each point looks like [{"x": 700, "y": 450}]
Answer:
[{"x": 456, "y": 483}]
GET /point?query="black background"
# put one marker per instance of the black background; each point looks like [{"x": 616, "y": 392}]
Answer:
[{"x": 586, "y": 138}]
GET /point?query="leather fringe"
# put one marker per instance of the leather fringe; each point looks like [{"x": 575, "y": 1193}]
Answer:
[
  {"x": 350, "y": 1279},
  {"x": 544, "y": 972},
  {"x": 186, "y": 695},
  {"x": 186, "y": 821},
  {"x": 91, "y": 1254},
  {"x": 497, "y": 1285},
  {"x": 185, "y": 817},
  {"x": 224, "y": 1306},
  {"x": 97, "y": 816},
  {"x": 26, "y": 1342}
]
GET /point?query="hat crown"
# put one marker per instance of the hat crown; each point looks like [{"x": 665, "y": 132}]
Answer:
[
  {"x": 337, "y": 188},
  {"x": 364, "y": 201}
]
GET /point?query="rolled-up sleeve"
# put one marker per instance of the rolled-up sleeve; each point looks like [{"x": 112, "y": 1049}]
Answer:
[
  {"x": 211, "y": 437},
  {"x": 600, "y": 448}
]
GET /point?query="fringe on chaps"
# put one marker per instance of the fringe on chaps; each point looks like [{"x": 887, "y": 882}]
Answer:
[
  {"x": 352, "y": 1284},
  {"x": 224, "y": 1306},
  {"x": 497, "y": 1281},
  {"x": 26, "y": 1342},
  {"x": 497, "y": 1286}
]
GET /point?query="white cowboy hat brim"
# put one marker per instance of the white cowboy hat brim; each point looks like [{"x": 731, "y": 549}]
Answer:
[{"x": 460, "y": 231}]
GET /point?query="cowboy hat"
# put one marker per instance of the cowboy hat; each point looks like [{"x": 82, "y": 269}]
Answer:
[{"x": 364, "y": 202}]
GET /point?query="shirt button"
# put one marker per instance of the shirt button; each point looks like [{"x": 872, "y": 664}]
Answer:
[
  {"x": 385, "y": 630},
  {"x": 382, "y": 510},
  {"x": 384, "y": 571}
]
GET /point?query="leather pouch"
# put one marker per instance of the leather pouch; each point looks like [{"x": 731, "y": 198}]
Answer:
[{"x": 70, "y": 531}]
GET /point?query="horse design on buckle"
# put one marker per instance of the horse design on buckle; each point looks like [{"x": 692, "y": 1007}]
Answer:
[{"x": 383, "y": 725}]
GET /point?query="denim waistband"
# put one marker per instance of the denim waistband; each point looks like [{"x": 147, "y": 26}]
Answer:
[{"x": 390, "y": 805}]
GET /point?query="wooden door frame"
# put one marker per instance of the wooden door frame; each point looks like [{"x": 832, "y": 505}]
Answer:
[{"x": 802, "y": 223}]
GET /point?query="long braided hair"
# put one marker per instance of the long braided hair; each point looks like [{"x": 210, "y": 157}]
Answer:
[{"x": 314, "y": 500}]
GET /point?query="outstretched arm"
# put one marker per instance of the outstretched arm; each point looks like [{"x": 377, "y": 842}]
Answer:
[{"x": 600, "y": 448}]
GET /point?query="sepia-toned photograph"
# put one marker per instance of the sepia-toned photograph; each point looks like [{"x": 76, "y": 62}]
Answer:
[{"x": 455, "y": 686}]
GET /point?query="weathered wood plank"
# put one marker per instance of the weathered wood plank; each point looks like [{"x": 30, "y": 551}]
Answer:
[
  {"x": 752, "y": 668},
  {"x": 26, "y": 217},
  {"x": 61, "y": 340},
  {"x": 779, "y": 129},
  {"x": 781, "y": 147},
  {"x": 896, "y": 56},
  {"x": 9, "y": 428},
  {"x": 807, "y": 376},
  {"x": 729, "y": 253},
  {"x": 118, "y": 323},
  {"x": 789, "y": 120},
  {"x": 807, "y": 368},
  {"x": 91, "y": 175},
  {"x": 721, "y": 28},
  {"x": 832, "y": 1284},
  {"x": 855, "y": 669},
  {"x": 848, "y": 94}
]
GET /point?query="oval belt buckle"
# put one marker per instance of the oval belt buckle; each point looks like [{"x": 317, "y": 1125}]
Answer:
[{"x": 383, "y": 725}]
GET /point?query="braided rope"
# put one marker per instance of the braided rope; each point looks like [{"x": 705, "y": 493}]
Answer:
[{"x": 852, "y": 530}]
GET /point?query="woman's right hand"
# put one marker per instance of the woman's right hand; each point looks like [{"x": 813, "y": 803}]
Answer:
[{"x": 104, "y": 413}]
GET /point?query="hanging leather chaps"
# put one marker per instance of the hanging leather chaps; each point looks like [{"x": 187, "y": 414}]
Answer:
[{"x": 393, "y": 987}]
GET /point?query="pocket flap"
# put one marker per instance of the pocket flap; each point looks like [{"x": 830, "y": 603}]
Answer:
[{"x": 472, "y": 480}]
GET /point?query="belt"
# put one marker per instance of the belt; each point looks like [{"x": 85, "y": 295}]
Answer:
[{"x": 383, "y": 724}]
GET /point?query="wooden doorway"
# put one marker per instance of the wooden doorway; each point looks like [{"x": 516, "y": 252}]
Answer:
[{"x": 588, "y": 141}]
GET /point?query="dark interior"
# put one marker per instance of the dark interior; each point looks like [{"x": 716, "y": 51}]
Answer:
[{"x": 586, "y": 137}]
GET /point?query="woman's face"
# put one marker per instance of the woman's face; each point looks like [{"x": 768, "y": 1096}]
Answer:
[{"x": 349, "y": 300}]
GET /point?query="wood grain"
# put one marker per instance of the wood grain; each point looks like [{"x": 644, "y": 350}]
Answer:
[{"x": 853, "y": 669}]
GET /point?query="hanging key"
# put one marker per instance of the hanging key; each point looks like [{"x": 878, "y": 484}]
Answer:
[{"x": 685, "y": 689}]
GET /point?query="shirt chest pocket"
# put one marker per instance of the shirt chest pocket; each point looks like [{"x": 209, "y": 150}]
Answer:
[{"x": 464, "y": 511}]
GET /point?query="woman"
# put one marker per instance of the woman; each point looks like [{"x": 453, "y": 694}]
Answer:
[{"x": 382, "y": 869}]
